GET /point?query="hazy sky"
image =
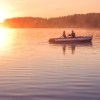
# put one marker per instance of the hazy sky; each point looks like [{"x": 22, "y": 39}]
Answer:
[{"x": 47, "y": 8}]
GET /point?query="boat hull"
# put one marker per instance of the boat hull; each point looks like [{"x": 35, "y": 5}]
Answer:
[{"x": 71, "y": 40}]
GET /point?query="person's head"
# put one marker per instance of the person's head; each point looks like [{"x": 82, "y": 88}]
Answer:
[
  {"x": 72, "y": 31},
  {"x": 64, "y": 32}
]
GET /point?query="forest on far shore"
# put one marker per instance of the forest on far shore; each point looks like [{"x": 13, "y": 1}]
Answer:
[{"x": 89, "y": 20}]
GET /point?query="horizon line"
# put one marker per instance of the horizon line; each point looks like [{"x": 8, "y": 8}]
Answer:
[{"x": 53, "y": 17}]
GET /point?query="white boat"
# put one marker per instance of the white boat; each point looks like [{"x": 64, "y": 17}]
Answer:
[{"x": 79, "y": 39}]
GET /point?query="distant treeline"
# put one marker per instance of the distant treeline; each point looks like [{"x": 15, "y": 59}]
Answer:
[{"x": 90, "y": 20}]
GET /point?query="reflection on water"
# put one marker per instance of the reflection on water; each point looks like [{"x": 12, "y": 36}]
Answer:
[
  {"x": 64, "y": 49},
  {"x": 73, "y": 46},
  {"x": 6, "y": 40},
  {"x": 33, "y": 69}
]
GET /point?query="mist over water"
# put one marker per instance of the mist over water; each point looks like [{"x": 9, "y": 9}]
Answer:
[{"x": 33, "y": 69}]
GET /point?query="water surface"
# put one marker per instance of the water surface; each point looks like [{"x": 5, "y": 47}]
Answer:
[{"x": 33, "y": 69}]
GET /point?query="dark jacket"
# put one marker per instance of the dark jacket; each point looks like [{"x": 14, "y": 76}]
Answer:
[{"x": 72, "y": 34}]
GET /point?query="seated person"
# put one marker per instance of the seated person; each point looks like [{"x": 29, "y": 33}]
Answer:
[
  {"x": 72, "y": 34},
  {"x": 64, "y": 35}
]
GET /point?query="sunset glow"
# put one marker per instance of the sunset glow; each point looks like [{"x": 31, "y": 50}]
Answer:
[
  {"x": 3, "y": 16},
  {"x": 49, "y": 49},
  {"x": 6, "y": 40},
  {"x": 46, "y": 8},
  {"x": 4, "y": 11}
]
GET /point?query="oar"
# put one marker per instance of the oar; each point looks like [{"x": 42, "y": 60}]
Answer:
[
  {"x": 60, "y": 37},
  {"x": 92, "y": 34}
]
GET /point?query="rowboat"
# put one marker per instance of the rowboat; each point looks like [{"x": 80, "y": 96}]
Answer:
[{"x": 79, "y": 39}]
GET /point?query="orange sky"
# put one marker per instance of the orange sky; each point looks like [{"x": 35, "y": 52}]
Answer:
[{"x": 46, "y": 8}]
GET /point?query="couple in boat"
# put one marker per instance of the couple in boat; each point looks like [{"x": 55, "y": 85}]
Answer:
[{"x": 72, "y": 35}]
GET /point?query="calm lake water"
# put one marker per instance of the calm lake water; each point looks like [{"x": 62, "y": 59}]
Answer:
[{"x": 33, "y": 69}]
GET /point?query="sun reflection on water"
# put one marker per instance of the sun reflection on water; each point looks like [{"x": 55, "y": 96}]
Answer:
[{"x": 6, "y": 40}]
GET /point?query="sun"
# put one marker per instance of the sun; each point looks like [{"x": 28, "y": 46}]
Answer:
[
  {"x": 4, "y": 12},
  {"x": 1, "y": 19},
  {"x": 7, "y": 11},
  {"x": 3, "y": 16}
]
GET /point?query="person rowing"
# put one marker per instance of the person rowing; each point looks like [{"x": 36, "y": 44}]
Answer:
[
  {"x": 72, "y": 34},
  {"x": 64, "y": 34}
]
